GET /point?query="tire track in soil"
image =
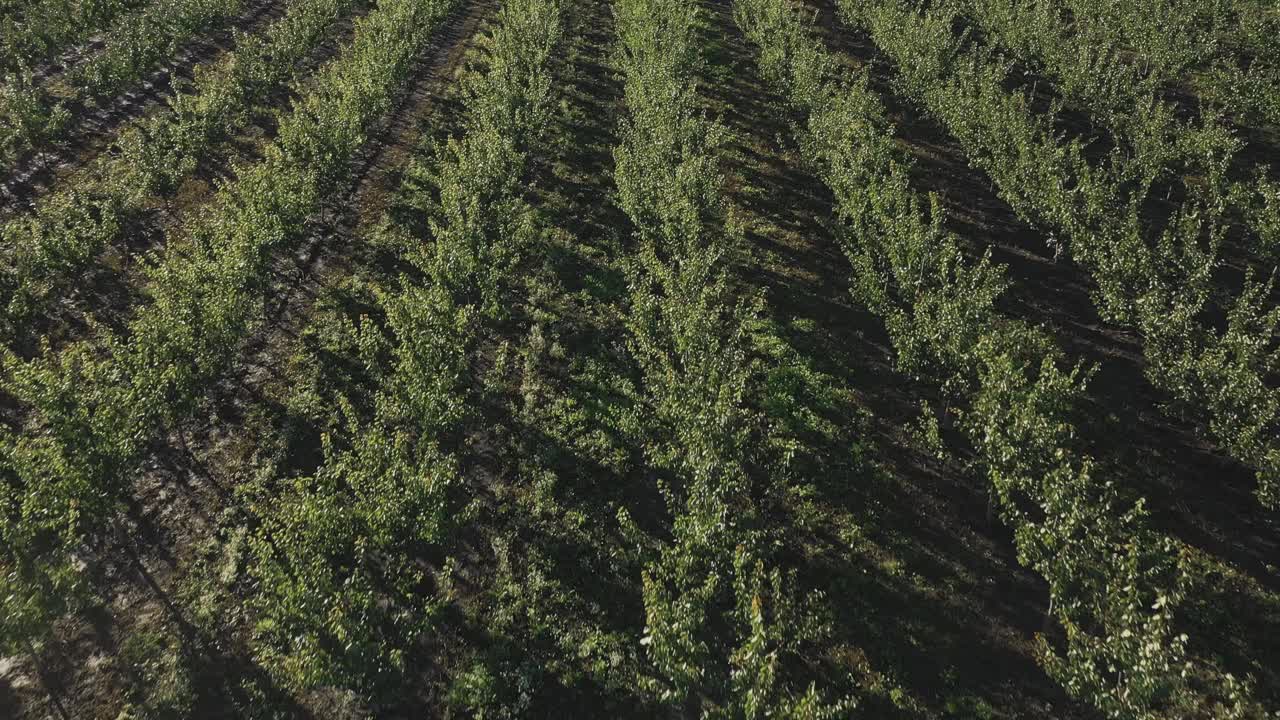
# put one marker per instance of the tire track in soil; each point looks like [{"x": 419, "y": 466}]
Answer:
[
  {"x": 180, "y": 498},
  {"x": 93, "y": 126}
]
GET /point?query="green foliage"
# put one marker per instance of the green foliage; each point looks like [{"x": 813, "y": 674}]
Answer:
[
  {"x": 29, "y": 113},
  {"x": 99, "y": 404},
  {"x": 344, "y": 594},
  {"x": 767, "y": 623},
  {"x": 48, "y": 27},
  {"x": 1259, "y": 201},
  {"x": 352, "y": 556},
  {"x": 1094, "y": 68},
  {"x": 714, "y": 642},
  {"x": 1154, "y": 279},
  {"x": 46, "y": 252},
  {"x": 1114, "y": 584},
  {"x": 1224, "y": 48},
  {"x": 158, "y": 32},
  {"x": 133, "y": 47},
  {"x": 161, "y": 685}
]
